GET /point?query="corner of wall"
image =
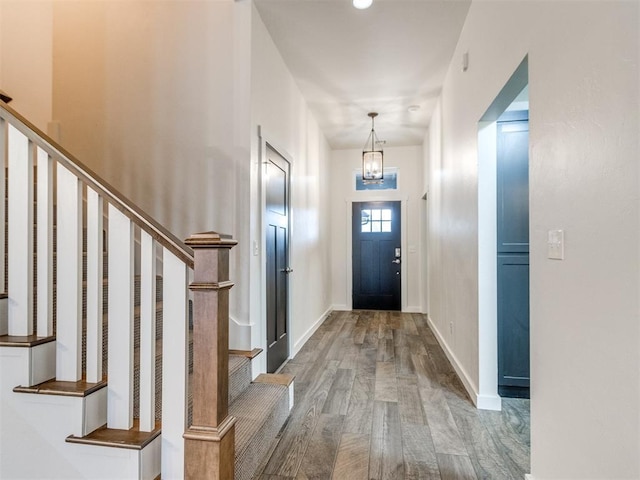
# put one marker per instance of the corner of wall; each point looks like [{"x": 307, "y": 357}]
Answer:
[
  {"x": 489, "y": 402},
  {"x": 482, "y": 402},
  {"x": 310, "y": 331},
  {"x": 413, "y": 309}
]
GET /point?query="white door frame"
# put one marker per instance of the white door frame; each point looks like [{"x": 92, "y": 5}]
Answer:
[
  {"x": 403, "y": 243},
  {"x": 487, "y": 397},
  {"x": 262, "y": 330}
]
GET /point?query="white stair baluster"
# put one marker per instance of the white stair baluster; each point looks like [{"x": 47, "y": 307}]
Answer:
[
  {"x": 3, "y": 173},
  {"x": 120, "y": 369},
  {"x": 95, "y": 255},
  {"x": 147, "y": 332},
  {"x": 44, "y": 255},
  {"x": 20, "y": 234},
  {"x": 174, "y": 364},
  {"x": 69, "y": 277}
]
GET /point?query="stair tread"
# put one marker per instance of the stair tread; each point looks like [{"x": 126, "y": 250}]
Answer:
[
  {"x": 250, "y": 354},
  {"x": 252, "y": 408},
  {"x": 250, "y": 417},
  {"x": 132, "y": 439},
  {"x": 24, "y": 341},
  {"x": 275, "y": 378},
  {"x": 81, "y": 388}
]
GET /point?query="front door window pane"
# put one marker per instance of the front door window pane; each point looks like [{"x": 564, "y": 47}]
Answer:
[{"x": 376, "y": 220}]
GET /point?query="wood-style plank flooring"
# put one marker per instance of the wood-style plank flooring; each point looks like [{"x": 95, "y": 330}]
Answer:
[{"x": 376, "y": 398}]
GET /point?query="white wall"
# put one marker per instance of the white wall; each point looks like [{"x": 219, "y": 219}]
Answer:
[
  {"x": 163, "y": 100},
  {"x": 1, "y": 42},
  {"x": 344, "y": 163},
  {"x": 26, "y": 57},
  {"x": 585, "y": 326},
  {"x": 144, "y": 95},
  {"x": 285, "y": 121},
  {"x": 155, "y": 98},
  {"x": 424, "y": 232}
]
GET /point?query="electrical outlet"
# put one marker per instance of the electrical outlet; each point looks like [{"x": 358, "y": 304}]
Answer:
[{"x": 451, "y": 328}]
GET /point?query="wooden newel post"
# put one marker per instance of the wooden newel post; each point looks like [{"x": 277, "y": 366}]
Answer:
[{"x": 209, "y": 441}]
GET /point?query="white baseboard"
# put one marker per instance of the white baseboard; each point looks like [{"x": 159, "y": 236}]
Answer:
[
  {"x": 462, "y": 374},
  {"x": 307, "y": 335},
  {"x": 482, "y": 402},
  {"x": 413, "y": 310},
  {"x": 528, "y": 476},
  {"x": 340, "y": 308},
  {"x": 489, "y": 402}
]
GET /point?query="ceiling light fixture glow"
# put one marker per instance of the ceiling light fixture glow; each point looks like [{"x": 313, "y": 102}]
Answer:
[{"x": 362, "y": 4}]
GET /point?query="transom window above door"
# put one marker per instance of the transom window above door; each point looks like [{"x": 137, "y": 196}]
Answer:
[{"x": 376, "y": 220}]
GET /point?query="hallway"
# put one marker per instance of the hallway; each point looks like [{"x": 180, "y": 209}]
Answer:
[{"x": 376, "y": 397}]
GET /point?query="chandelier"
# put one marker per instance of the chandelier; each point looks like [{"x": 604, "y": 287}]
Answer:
[{"x": 372, "y": 156}]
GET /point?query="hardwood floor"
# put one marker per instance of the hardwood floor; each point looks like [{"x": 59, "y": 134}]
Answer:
[{"x": 376, "y": 398}]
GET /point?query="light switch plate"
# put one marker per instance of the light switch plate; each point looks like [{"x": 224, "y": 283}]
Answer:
[{"x": 555, "y": 244}]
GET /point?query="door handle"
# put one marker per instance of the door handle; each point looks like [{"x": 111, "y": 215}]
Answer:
[
  {"x": 396, "y": 261},
  {"x": 287, "y": 270}
]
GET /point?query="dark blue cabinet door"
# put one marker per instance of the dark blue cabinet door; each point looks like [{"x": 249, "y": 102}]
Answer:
[
  {"x": 513, "y": 186},
  {"x": 513, "y": 254},
  {"x": 513, "y": 323}
]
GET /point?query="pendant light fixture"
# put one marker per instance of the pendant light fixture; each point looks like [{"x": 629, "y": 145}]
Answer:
[{"x": 372, "y": 157}]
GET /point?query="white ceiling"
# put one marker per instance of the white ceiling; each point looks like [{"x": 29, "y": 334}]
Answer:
[{"x": 349, "y": 62}]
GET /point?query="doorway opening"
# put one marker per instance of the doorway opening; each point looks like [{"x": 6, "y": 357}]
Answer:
[
  {"x": 512, "y": 205},
  {"x": 492, "y": 338}
]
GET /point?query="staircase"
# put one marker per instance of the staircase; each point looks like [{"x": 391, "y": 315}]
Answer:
[{"x": 114, "y": 359}]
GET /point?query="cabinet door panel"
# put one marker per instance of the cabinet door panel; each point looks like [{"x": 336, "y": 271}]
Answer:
[{"x": 513, "y": 320}]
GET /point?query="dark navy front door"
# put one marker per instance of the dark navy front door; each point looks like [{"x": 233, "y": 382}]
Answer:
[{"x": 376, "y": 256}]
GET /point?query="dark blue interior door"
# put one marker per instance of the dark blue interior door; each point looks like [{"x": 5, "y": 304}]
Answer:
[
  {"x": 513, "y": 254},
  {"x": 277, "y": 251},
  {"x": 376, "y": 256}
]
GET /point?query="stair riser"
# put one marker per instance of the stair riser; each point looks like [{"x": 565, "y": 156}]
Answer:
[
  {"x": 55, "y": 238},
  {"x": 239, "y": 379},
  {"x": 136, "y": 336},
  {"x": 105, "y": 266},
  {"x": 105, "y": 294},
  {"x": 257, "y": 427},
  {"x": 105, "y": 299},
  {"x": 158, "y": 389}
]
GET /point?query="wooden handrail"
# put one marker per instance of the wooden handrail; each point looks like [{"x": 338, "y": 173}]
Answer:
[{"x": 117, "y": 199}]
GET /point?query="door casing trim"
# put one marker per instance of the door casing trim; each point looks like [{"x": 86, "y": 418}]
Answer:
[
  {"x": 403, "y": 244},
  {"x": 264, "y": 144}
]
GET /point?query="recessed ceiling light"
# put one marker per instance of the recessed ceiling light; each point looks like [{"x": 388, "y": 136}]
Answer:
[
  {"x": 413, "y": 108},
  {"x": 362, "y": 4}
]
